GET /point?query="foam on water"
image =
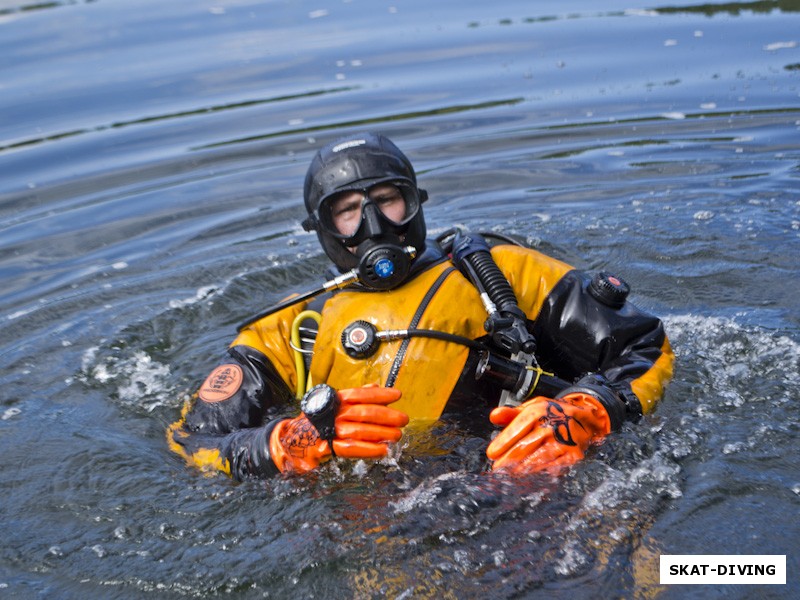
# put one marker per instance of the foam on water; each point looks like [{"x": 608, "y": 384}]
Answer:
[
  {"x": 736, "y": 359},
  {"x": 203, "y": 293},
  {"x": 732, "y": 358},
  {"x": 139, "y": 380},
  {"x": 425, "y": 494}
]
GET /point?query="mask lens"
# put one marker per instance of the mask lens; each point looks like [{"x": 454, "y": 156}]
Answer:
[
  {"x": 395, "y": 200},
  {"x": 342, "y": 210},
  {"x": 342, "y": 213}
]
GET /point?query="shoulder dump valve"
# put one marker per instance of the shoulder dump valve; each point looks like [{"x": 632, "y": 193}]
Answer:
[{"x": 609, "y": 289}]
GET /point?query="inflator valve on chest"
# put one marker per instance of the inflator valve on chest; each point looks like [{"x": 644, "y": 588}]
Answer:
[{"x": 360, "y": 339}]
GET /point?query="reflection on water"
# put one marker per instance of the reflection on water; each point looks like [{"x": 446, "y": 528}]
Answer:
[
  {"x": 366, "y": 124},
  {"x": 152, "y": 160},
  {"x": 177, "y": 115}
]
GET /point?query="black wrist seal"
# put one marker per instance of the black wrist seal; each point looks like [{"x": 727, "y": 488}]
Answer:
[{"x": 618, "y": 399}]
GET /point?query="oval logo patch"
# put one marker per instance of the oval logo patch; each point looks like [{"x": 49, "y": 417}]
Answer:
[{"x": 222, "y": 383}]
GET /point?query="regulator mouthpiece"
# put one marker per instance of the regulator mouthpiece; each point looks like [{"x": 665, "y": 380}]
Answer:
[{"x": 383, "y": 264}]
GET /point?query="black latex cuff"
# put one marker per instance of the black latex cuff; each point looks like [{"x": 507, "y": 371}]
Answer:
[
  {"x": 270, "y": 468},
  {"x": 616, "y": 404},
  {"x": 252, "y": 458}
]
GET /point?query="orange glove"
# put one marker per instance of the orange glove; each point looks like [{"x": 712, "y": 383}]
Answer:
[
  {"x": 543, "y": 434},
  {"x": 364, "y": 427}
]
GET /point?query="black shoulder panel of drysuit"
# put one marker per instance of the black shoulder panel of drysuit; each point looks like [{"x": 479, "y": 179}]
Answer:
[
  {"x": 262, "y": 395},
  {"x": 578, "y": 334},
  {"x": 233, "y": 435}
]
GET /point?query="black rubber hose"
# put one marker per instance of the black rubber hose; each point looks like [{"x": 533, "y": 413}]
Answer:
[
  {"x": 548, "y": 385},
  {"x": 494, "y": 282},
  {"x": 447, "y": 337}
]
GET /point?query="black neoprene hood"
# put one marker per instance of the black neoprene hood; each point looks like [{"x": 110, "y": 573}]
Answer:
[
  {"x": 358, "y": 161},
  {"x": 361, "y": 160}
]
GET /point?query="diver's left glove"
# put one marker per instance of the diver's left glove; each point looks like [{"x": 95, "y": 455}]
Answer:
[
  {"x": 363, "y": 427},
  {"x": 545, "y": 434}
]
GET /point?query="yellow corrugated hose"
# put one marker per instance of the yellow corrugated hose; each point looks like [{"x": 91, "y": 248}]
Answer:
[{"x": 299, "y": 363}]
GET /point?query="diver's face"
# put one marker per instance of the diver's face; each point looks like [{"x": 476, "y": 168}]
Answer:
[{"x": 346, "y": 208}]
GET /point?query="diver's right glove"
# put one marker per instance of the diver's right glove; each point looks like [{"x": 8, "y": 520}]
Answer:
[{"x": 363, "y": 427}]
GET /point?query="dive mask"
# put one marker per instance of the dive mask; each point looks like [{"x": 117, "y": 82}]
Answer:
[{"x": 376, "y": 198}]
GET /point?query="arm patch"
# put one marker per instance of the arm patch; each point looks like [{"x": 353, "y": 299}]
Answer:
[{"x": 222, "y": 383}]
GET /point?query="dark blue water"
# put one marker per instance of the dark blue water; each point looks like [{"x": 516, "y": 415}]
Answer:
[{"x": 151, "y": 162}]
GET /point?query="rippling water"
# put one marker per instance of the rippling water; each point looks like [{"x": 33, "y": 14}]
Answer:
[{"x": 152, "y": 156}]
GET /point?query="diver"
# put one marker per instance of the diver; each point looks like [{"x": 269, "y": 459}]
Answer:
[{"x": 411, "y": 328}]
